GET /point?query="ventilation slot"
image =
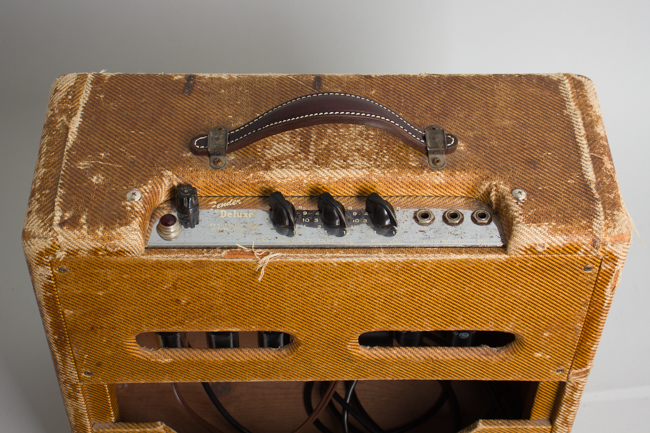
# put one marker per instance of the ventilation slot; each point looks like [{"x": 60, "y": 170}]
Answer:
[
  {"x": 218, "y": 340},
  {"x": 436, "y": 339}
]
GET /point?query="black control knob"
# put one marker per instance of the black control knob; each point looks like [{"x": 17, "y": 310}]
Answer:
[
  {"x": 332, "y": 212},
  {"x": 187, "y": 206},
  {"x": 283, "y": 214},
  {"x": 381, "y": 212}
]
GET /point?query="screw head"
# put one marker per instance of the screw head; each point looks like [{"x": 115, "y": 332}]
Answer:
[
  {"x": 519, "y": 194},
  {"x": 588, "y": 268},
  {"x": 133, "y": 195},
  {"x": 217, "y": 163}
]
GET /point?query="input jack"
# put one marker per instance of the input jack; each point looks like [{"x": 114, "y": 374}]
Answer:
[
  {"x": 481, "y": 217},
  {"x": 424, "y": 217},
  {"x": 453, "y": 217}
]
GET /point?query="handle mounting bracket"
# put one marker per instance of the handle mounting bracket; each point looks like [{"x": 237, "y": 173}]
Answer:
[
  {"x": 217, "y": 147},
  {"x": 320, "y": 109},
  {"x": 436, "y": 142}
]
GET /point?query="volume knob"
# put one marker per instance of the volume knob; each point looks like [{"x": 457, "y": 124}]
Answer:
[
  {"x": 332, "y": 212},
  {"x": 381, "y": 212},
  {"x": 283, "y": 214}
]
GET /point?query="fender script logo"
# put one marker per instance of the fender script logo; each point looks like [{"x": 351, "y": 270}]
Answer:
[{"x": 231, "y": 202}]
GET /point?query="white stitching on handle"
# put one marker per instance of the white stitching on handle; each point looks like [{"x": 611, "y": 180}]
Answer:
[
  {"x": 313, "y": 95},
  {"x": 312, "y": 115},
  {"x": 200, "y": 138},
  {"x": 326, "y": 114},
  {"x": 327, "y": 94}
]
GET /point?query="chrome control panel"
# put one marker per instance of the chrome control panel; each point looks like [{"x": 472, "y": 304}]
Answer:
[{"x": 420, "y": 222}]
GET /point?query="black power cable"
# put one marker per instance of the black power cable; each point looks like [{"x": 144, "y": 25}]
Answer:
[
  {"x": 222, "y": 410},
  {"x": 426, "y": 416},
  {"x": 309, "y": 408},
  {"x": 307, "y": 396},
  {"x": 357, "y": 404},
  {"x": 312, "y": 417},
  {"x": 240, "y": 428},
  {"x": 370, "y": 426},
  {"x": 348, "y": 397},
  {"x": 198, "y": 418},
  {"x": 453, "y": 402},
  {"x": 353, "y": 407}
]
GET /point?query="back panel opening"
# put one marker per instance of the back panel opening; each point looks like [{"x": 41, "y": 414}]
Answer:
[{"x": 388, "y": 406}]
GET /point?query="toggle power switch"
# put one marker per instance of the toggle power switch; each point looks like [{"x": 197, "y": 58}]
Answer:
[{"x": 187, "y": 206}]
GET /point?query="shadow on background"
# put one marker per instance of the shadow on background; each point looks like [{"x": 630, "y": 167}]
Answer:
[{"x": 42, "y": 40}]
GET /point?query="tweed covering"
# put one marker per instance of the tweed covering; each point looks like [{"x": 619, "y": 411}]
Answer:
[
  {"x": 106, "y": 134},
  {"x": 492, "y": 426}
]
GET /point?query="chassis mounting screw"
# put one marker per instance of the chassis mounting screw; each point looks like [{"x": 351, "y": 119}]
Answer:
[
  {"x": 134, "y": 195},
  {"x": 519, "y": 193}
]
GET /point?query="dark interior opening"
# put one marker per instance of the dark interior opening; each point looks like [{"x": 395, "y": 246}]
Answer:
[
  {"x": 436, "y": 339},
  {"x": 389, "y": 406},
  {"x": 213, "y": 340}
]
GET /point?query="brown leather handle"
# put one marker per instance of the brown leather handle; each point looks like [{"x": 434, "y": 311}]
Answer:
[{"x": 316, "y": 109}]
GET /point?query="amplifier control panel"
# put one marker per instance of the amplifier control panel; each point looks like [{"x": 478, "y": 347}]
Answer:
[{"x": 329, "y": 222}]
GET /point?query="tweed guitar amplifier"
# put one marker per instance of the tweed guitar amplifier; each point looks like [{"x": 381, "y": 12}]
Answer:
[{"x": 335, "y": 253}]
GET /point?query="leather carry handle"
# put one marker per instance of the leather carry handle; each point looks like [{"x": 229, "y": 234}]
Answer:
[{"x": 318, "y": 109}]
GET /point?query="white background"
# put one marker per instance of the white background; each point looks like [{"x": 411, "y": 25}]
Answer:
[{"x": 606, "y": 41}]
